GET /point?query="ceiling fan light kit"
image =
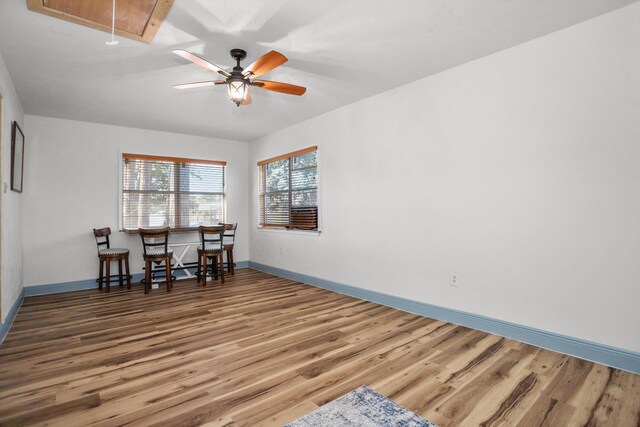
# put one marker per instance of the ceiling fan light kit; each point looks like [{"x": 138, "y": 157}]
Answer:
[
  {"x": 239, "y": 79},
  {"x": 237, "y": 91}
]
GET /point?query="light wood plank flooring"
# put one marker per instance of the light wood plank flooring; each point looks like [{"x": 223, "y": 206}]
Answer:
[{"x": 261, "y": 350}]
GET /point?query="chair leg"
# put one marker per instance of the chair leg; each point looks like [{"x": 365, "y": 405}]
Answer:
[
  {"x": 221, "y": 268},
  {"x": 147, "y": 276},
  {"x": 204, "y": 272},
  {"x": 170, "y": 271},
  {"x": 232, "y": 266},
  {"x": 198, "y": 274},
  {"x": 101, "y": 275},
  {"x": 108, "y": 261},
  {"x": 214, "y": 267},
  {"x": 126, "y": 267},
  {"x": 120, "y": 280},
  {"x": 167, "y": 262}
]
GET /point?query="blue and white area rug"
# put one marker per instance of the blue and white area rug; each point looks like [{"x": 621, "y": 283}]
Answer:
[{"x": 361, "y": 407}]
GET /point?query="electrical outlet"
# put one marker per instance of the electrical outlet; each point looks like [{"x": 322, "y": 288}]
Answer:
[{"x": 454, "y": 279}]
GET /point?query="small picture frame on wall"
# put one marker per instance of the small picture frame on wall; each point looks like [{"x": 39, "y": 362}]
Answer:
[{"x": 17, "y": 157}]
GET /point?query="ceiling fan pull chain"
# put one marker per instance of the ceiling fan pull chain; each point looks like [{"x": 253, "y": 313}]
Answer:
[{"x": 113, "y": 41}]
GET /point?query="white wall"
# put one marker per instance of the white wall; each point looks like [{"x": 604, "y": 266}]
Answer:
[
  {"x": 71, "y": 187},
  {"x": 11, "y": 203},
  {"x": 520, "y": 171}
]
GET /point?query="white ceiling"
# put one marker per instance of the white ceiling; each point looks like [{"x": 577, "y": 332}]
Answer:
[{"x": 341, "y": 50}]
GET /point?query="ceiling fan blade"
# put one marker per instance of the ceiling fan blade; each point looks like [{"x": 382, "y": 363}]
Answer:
[
  {"x": 280, "y": 87},
  {"x": 247, "y": 100},
  {"x": 265, "y": 63},
  {"x": 200, "y": 61},
  {"x": 200, "y": 84}
]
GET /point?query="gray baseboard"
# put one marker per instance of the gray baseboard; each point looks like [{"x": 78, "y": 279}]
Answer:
[
  {"x": 606, "y": 355},
  {"x": 4, "y": 328},
  {"x": 78, "y": 285}
]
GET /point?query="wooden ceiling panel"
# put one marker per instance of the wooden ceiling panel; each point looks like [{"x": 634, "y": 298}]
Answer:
[
  {"x": 132, "y": 15},
  {"x": 135, "y": 19}
]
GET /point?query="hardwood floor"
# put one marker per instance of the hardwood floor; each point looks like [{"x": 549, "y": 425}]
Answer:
[{"x": 261, "y": 350}]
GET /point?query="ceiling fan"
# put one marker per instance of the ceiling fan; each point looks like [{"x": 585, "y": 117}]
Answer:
[{"x": 239, "y": 79}]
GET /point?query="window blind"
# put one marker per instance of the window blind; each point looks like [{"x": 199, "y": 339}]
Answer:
[
  {"x": 171, "y": 192},
  {"x": 289, "y": 190}
]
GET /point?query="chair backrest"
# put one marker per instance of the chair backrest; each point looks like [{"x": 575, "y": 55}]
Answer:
[
  {"x": 211, "y": 236},
  {"x": 102, "y": 237},
  {"x": 154, "y": 239},
  {"x": 229, "y": 232}
]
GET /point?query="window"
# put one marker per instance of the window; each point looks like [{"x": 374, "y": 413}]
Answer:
[
  {"x": 289, "y": 190},
  {"x": 171, "y": 192}
]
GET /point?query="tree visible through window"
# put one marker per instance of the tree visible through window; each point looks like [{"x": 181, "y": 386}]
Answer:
[
  {"x": 171, "y": 192},
  {"x": 289, "y": 190}
]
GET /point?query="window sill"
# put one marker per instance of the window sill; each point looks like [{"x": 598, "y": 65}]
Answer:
[
  {"x": 285, "y": 231},
  {"x": 171, "y": 230}
]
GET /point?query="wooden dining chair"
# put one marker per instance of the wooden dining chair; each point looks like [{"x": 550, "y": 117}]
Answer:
[
  {"x": 211, "y": 247},
  {"x": 155, "y": 249},
  {"x": 106, "y": 254},
  {"x": 228, "y": 241}
]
